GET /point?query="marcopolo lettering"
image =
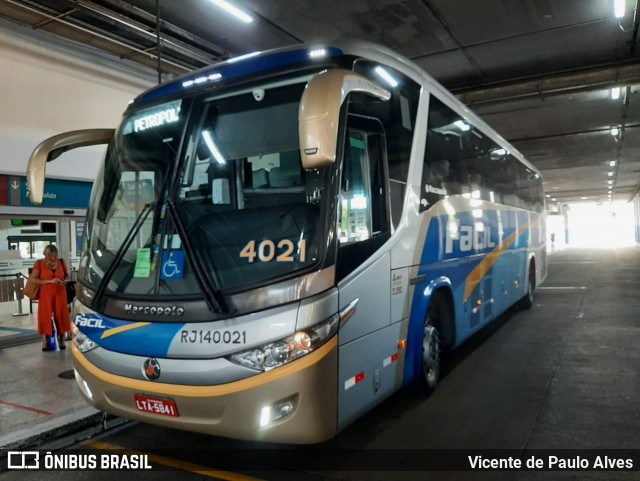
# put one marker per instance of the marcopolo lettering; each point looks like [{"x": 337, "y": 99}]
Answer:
[{"x": 153, "y": 310}]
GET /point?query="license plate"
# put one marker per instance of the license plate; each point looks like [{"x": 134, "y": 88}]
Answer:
[{"x": 155, "y": 405}]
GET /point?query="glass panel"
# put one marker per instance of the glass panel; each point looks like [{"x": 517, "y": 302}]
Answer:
[
  {"x": 355, "y": 192},
  {"x": 250, "y": 211},
  {"x": 127, "y": 191}
]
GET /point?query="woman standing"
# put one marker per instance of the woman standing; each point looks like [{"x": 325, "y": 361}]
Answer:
[{"x": 51, "y": 273}]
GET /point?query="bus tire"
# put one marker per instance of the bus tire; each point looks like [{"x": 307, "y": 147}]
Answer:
[
  {"x": 437, "y": 316},
  {"x": 527, "y": 301}
]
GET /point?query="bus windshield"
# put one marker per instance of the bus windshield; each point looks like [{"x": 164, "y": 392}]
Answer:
[{"x": 206, "y": 191}]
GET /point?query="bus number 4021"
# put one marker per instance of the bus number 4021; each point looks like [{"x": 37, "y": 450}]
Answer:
[{"x": 267, "y": 251}]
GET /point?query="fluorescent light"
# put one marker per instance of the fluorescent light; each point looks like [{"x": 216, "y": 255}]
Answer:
[
  {"x": 612, "y": 163},
  {"x": 386, "y": 76},
  {"x": 584, "y": 198},
  {"x": 614, "y": 131},
  {"x": 615, "y": 93},
  {"x": 242, "y": 57},
  {"x": 610, "y": 174},
  {"x": 462, "y": 125},
  {"x": 233, "y": 10},
  {"x": 619, "y": 8},
  {"x": 610, "y": 181},
  {"x": 206, "y": 135}
]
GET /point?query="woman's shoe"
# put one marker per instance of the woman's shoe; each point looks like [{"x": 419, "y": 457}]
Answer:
[
  {"x": 63, "y": 347},
  {"x": 44, "y": 349}
]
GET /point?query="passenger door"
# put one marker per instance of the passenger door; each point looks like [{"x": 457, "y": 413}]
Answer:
[{"x": 363, "y": 271}]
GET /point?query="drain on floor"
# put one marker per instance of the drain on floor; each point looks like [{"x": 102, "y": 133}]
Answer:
[{"x": 67, "y": 374}]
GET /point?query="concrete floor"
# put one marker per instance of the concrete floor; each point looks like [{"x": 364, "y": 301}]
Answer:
[{"x": 38, "y": 397}]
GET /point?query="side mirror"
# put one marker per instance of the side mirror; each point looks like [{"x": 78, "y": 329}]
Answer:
[
  {"x": 51, "y": 148},
  {"x": 319, "y": 113}
]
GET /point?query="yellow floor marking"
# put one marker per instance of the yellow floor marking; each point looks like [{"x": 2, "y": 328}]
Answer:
[{"x": 174, "y": 463}]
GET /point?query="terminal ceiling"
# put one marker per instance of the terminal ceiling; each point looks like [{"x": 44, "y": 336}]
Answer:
[{"x": 539, "y": 71}]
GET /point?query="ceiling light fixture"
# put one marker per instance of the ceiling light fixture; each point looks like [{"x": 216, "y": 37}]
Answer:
[
  {"x": 610, "y": 174},
  {"x": 615, "y": 131},
  {"x": 619, "y": 8},
  {"x": 233, "y": 10},
  {"x": 615, "y": 93},
  {"x": 612, "y": 163}
]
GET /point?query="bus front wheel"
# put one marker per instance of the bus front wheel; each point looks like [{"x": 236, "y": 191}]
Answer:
[{"x": 437, "y": 316}]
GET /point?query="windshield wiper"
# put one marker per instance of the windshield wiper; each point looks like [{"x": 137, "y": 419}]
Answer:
[
  {"x": 212, "y": 295},
  {"x": 131, "y": 235}
]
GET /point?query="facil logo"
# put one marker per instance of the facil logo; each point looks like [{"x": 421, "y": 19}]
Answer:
[{"x": 95, "y": 322}]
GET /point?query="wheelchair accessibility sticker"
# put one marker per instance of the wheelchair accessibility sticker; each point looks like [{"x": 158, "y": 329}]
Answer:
[{"x": 172, "y": 265}]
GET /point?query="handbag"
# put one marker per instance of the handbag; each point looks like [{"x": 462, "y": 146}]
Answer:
[
  {"x": 31, "y": 290},
  {"x": 71, "y": 291},
  {"x": 70, "y": 286}
]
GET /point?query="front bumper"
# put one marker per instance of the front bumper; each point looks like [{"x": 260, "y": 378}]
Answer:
[{"x": 231, "y": 410}]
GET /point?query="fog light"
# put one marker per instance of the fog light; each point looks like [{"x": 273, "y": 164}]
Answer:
[
  {"x": 283, "y": 409},
  {"x": 277, "y": 411}
]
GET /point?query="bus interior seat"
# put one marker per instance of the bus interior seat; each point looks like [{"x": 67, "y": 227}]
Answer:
[{"x": 260, "y": 178}]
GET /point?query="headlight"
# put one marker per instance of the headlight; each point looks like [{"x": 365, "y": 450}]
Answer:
[
  {"x": 277, "y": 353},
  {"x": 82, "y": 342}
]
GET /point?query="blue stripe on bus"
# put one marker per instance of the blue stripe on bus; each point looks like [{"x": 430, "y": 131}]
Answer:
[
  {"x": 250, "y": 66},
  {"x": 149, "y": 339},
  {"x": 449, "y": 263}
]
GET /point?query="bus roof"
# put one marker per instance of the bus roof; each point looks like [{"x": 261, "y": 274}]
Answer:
[
  {"x": 237, "y": 67},
  {"x": 255, "y": 63}
]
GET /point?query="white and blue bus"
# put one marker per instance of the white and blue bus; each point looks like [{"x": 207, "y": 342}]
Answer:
[{"x": 277, "y": 243}]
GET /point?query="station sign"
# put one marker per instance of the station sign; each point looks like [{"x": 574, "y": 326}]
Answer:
[{"x": 61, "y": 194}]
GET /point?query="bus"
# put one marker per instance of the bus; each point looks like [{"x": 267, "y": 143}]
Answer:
[{"x": 278, "y": 242}]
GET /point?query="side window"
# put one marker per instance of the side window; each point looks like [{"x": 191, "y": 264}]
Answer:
[
  {"x": 462, "y": 160},
  {"x": 459, "y": 159},
  {"x": 364, "y": 214},
  {"x": 355, "y": 191},
  {"x": 398, "y": 118}
]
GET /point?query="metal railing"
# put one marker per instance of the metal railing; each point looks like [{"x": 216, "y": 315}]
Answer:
[{"x": 11, "y": 289}]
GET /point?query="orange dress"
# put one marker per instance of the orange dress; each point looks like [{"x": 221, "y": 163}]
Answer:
[{"x": 52, "y": 301}]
